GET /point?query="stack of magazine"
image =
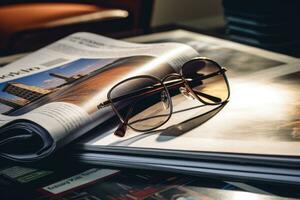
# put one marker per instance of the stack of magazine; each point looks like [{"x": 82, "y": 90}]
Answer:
[
  {"x": 271, "y": 24},
  {"x": 50, "y": 98}
]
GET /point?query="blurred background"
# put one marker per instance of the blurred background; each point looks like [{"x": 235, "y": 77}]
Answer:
[{"x": 29, "y": 25}]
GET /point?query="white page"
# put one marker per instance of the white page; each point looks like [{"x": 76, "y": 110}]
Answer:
[{"x": 262, "y": 116}]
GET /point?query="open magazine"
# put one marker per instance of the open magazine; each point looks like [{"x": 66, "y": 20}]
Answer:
[{"x": 50, "y": 97}]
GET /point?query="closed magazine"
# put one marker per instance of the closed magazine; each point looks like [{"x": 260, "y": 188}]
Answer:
[{"x": 255, "y": 135}]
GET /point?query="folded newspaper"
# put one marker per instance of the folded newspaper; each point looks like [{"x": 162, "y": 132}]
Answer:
[{"x": 50, "y": 97}]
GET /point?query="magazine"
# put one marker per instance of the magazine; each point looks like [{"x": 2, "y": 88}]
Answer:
[
  {"x": 103, "y": 183},
  {"x": 254, "y": 136},
  {"x": 50, "y": 97}
]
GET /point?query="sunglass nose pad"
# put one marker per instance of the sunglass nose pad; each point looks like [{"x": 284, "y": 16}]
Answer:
[
  {"x": 186, "y": 93},
  {"x": 165, "y": 100}
]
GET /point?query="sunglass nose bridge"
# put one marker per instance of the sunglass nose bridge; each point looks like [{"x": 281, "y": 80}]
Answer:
[
  {"x": 165, "y": 100},
  {"x": 186, "y": 93}
]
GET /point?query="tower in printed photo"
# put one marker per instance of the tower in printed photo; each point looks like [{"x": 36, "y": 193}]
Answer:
[{"x": 68, "y": 79}]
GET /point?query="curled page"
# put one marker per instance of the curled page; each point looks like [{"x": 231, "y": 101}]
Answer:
[{"x": 50, "y": 97}]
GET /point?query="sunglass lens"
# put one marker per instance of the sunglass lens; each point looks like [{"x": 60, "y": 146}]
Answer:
[
  {"x": 207, "y": 80},
  {"x": 142, "y": 102}
]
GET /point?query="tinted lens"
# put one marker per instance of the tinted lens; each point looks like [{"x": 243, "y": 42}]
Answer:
[
  {"x": 180, "y": 95},
  {"x": 207, "y": 80},
  {"x": 142, "y": 102}
]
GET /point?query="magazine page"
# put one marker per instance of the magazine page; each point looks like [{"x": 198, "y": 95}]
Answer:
[
  {"x": 50, "y": 97},
  {"x": 261, "y": 117}
]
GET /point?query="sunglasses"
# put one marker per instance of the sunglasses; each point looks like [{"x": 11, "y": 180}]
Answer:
[{"x": 144, "y": 102}]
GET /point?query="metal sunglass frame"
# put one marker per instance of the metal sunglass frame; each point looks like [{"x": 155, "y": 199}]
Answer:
[{"x": 163, "y": 86}]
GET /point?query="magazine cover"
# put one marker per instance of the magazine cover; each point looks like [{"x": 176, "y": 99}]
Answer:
[{"x": 112, "y": 184}]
